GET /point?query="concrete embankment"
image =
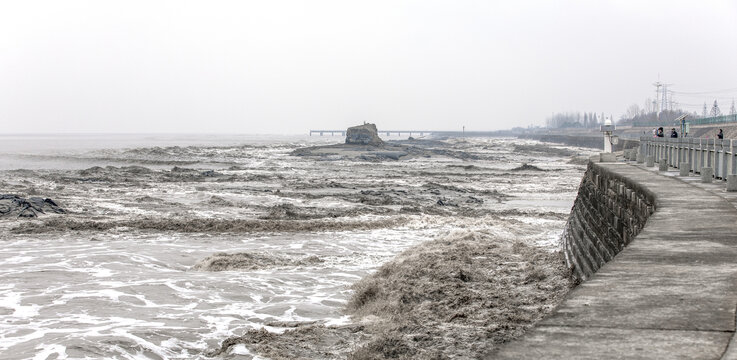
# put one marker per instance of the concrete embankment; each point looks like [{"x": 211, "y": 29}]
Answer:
[
  {"x": 609, "y": 211},
  {"x": 671, "y": 293}
]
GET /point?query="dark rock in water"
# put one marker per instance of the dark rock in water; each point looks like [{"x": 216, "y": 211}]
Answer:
[
  {"x": 474, "y": 200},
  {"x": 445, "y": 202},
  {"x": 524, "y": 167},
  {"x": 365, "y": 134},
  {"x": 16, "y": 206}
]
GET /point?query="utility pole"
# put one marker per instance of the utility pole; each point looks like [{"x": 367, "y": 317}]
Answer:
[
  {"x": 664, "y": 100},
  {"x": 657, "y": 85}
]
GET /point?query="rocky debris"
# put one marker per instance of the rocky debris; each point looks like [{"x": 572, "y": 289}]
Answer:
[
  {"x": 250, "y": 261},
  {"x": 365, "y": 134},
  {"x": 16, "y": 206}
]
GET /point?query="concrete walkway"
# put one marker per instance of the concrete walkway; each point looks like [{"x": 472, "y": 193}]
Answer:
[{"x": 671, "y": 294}]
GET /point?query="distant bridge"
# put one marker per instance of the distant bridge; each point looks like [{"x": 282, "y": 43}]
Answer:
[
  {"x": 386, "y": 132},
  {"x": 415, "y": 132}
]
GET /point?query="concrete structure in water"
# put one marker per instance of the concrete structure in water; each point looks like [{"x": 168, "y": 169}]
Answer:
[
  {"x": 365, "y": 134},
  {"x": 657, "y": 257}
]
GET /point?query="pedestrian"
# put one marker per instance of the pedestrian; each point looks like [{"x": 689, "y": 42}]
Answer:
[
  {"x": 720, "y": 135},
  {"x": 655, "y": 132},
  {"x": 673, "y": 133},
  {"x": 660, "y": 132}
]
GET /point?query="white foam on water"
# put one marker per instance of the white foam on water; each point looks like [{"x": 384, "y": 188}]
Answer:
[
  {"x": 16, "y": 260},
  {"x": 12, "y": 300},
  {"x": 45, "y": 351},
  {"x": 133, "y": 294}
]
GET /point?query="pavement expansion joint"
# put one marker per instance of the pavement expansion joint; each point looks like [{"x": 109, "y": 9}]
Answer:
[{"x": 633, "y": 328}]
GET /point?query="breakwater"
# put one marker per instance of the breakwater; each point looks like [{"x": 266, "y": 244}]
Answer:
[{"x": 609, "y": 211}]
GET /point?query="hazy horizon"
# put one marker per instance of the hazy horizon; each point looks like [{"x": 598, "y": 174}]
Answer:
[{"x": 284, "y": 67}]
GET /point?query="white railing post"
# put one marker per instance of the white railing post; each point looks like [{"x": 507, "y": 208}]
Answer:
[
  {"x": 700, "y": 155},
  {"x": 691, "y": 154},
  {"x": 717, "y": 159},
  {"x": 732, "y": 144},
  {"x": 725, "y": 161}
]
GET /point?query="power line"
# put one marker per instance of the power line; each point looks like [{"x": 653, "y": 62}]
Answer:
[
  {"x": 703, "y": 96},
  {"x": 705, "y": 92}
]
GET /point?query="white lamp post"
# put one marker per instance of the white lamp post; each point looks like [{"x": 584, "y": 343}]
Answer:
[{"x": 607, "y": 129}]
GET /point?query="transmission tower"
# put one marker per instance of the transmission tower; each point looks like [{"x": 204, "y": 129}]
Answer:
[
  {"x": 657, "y": 85},
  {"x": 664, "y": 100},
  {"x": 732, "y": 110},
  {"x": 715, "y": 110},
  {"x": 704, "y": 113}
]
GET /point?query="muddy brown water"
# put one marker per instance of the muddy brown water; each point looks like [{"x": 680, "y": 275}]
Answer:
[{"x": 115, "y": 276}]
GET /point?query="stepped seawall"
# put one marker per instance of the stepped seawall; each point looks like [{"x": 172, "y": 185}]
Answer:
[{"x": 609, "y": 211}]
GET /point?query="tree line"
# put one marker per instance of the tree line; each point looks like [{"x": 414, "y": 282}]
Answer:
[{"x": 584, "y": 120}]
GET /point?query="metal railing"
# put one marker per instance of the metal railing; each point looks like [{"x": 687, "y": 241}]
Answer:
[
  {"x": 721, "y": 155},
  {"x": 723, "y": 119}
]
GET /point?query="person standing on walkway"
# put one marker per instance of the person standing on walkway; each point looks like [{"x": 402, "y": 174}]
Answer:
[
  {"x": 673, "y": 133},
  {"x": 720, "y": 135},
  {"x": 660, "y": 132}
]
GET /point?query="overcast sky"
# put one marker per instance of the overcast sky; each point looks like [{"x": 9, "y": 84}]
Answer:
[{"x": 288, "y": 66}]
